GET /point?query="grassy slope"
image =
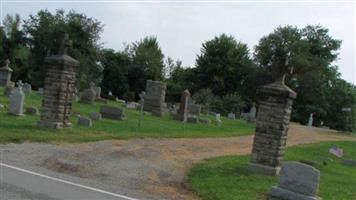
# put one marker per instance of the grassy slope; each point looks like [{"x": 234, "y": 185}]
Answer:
[
  {"x": 17, "y": 129},
  {"x": 226, "y": 178}
]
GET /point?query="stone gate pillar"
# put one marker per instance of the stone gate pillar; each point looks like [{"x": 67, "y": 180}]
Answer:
[
  {"x": 274, "y": 110},
  {"x": 59, "y": 88}
]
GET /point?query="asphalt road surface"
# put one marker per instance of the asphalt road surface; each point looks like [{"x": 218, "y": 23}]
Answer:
[{"x": 21, "y": 184}]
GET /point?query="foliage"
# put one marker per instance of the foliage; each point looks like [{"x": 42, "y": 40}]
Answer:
[
  {"x": 147, "y": 63},
  {"x": 309, "y": 53},
  {"x": 116, "y": 68},
  {"x": 14, "y": 47},
  {"x": 43, "y": 29},
  {"x": 227, "y": 178},
  {"x": 222, "y": 65}
]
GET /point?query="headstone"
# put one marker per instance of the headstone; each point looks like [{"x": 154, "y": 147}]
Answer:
[
  {"x": 27, "y": 88},
  {"x": 5, "y": 74},
  {"x": 97, "y": 91},
  {"x": 88, "y": 96},
  {"x": 155, "y": 97},
  {"x": 59, "y": 88},
  {"x": 2, "y": 106},
  {"x": 120, "y": 100},
  {"x": 194, "y": 109},
  {"x": 40, "y": 91},
  {"x": 351, "y": 163},
  {"x": 17, "y": 99},
  {"x": 83, "y": 121},
  {"x": 95, "y": 116},
  {"x": 142, "y": 103},
  {"x": 231, "y": 116},
  {"x": 32, "y": 111},
  {"x": 110, "y": 112},
  {"x": 336, "y": 151},
  {"x": 252, "y": 114},
  {"x": 182, "y": 113},
  {"x": 192, "y": 119},
  {"x": 310, "y": 121},
  {"x": 218, "y": 119},
  {"x": 275, "y": 107},
  {"x": 132, "y": 105},
  {"x": 296, "y": 181}
]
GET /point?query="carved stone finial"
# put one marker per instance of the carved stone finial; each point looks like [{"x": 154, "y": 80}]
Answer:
[
  {"x": 19, "y": 84},
  {"x": 7, "y": 62},
  {"x": 65, "y": 44}
]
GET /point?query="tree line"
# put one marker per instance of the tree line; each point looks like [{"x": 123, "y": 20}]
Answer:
[{"x": 224, "y": 79}]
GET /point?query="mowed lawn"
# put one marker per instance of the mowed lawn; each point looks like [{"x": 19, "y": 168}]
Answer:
[
  {"x": 227, "y": 178},
  {"x": 24, "y": 128}
]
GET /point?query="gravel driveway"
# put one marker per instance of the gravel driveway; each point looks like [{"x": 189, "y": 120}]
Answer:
[{"x": 142, "y": 168}]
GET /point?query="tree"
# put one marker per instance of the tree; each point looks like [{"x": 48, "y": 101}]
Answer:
[
  {"x": 43, "y": 29},
  {"x": 116, "y": 66},
  {"x": 222, "y": 65},
  {"x": 147, "y": 63},
  {"x": 310, "y": 53},
  {"x": 14, "y": 47}
]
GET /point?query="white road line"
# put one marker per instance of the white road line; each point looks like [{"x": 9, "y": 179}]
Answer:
[{"x": 68, "y": 182}]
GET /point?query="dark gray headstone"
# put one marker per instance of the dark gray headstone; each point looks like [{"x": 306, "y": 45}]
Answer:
[
  {"x": 110, "y": 112},
  {"x": 84, "y": 121},
  {"x": 296, "y": 181}
]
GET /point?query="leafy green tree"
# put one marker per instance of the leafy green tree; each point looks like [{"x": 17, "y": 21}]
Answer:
[
  {"x": 309, "y": 53},
  {"x": 222, "y": 66},
  {"x": 147, "y": 63},
  {"x": 43, "y": 29},
  {"x": 116, "y": 66},
  {"x": 14, "y": 47}
]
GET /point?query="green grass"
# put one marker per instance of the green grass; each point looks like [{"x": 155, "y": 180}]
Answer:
[
  {"x": 227, "y": 178},
  {"x": 24, "y": 128}
]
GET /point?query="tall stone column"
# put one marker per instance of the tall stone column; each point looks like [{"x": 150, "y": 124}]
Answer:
[
  {"x": 274, "y": 110},
  {"x": 59, "y": 88},
  {"x": 5, "y": 74}
]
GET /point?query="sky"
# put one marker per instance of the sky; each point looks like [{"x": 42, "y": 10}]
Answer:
[{"x": 182, "y": 26}]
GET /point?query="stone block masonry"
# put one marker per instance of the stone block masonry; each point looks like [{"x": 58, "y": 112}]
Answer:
[
  {"x": 59, "y": 89},
  {"x": 275, "y": 105}
]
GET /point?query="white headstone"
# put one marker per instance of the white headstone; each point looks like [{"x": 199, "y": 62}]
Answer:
[
  {"x": 17, "y": 99},
  {"x": 231, "y": 116},
  {"x": 310, "y": 121}
]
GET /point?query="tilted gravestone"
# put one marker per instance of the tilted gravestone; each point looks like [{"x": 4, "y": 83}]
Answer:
[
  {"x": 17, "y": 99},
  {"x": 88, "y": 96},
  {"x": 275, "y": 107},
  {"x": 297, "y": 181},
  {"x": 155, "y": 97},
  {"x": 182, "y": 113},
  {"x": 5, "y": 74},
  {"x": 59, "y": 88},
  {"x": 110, "y": 112}
]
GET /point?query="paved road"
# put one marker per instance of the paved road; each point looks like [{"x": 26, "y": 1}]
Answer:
[{"x": 17, "y": 183}]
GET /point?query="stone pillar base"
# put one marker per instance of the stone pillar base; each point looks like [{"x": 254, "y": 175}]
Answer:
[
  {"x": 263, "y": 169},
  {"x": 280, "y": 193},
  {"x": 53, "y": 125}
]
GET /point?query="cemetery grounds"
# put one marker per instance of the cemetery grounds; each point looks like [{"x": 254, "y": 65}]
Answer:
[{"x": 152, "y": 162}]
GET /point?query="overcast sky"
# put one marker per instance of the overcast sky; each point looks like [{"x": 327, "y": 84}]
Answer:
[{"x": 182, "y": 27}]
